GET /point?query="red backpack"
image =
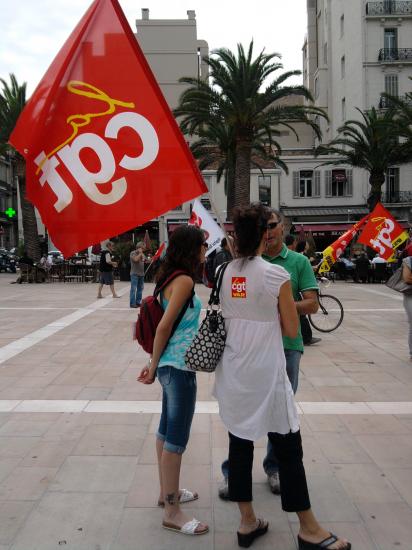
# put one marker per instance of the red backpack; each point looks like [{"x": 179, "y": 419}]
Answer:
[{"x": 151, "y": 313}]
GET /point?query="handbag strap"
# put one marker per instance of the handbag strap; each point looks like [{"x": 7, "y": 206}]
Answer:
[{"x": 214, "y": 299}]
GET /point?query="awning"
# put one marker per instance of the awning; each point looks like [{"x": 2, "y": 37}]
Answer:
[
  {"x": 337, "y": 211},
  {"x": 324, "y": 226},
  {"x": 172, "y": 226}
]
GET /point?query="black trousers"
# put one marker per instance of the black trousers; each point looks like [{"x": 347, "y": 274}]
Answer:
[
  {"x": 288, "y": 449},
  {"x": 305, "y": 329}
]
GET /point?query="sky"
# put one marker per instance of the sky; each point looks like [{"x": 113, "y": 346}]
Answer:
[{"x": 34, "y": 30}]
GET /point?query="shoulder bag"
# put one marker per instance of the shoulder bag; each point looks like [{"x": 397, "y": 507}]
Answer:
[
  {"x": 395, "y": 282},
  {"x": 207, "y": 347}
]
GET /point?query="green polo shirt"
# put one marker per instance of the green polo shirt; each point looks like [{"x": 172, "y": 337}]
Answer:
[{"x": 301, "y": 277}]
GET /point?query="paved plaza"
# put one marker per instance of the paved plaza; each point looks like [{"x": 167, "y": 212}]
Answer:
[{"x": 77, "y": 432}]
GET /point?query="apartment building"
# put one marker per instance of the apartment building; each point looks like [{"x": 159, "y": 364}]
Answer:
[{"x": 8, "y": 204}]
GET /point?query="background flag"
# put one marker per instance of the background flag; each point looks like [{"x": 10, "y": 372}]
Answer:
[
  {"x": 334, "y": 250},
  {"x": 383, "y": 233},
  {"x": 202, "y": 218},
  {"x": 103, "y": 151}
]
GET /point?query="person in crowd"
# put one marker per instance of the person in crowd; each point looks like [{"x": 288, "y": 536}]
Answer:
[
  {"x": 137, "y": 261},
  {"x": 254, "y": 393},
  {"x": 291, "y": 242},
  {"x": 378, "y": 260},
  {"x": 362, "y": 265},
  {"x": 186, "y": 251},
  {"x": 107, "y": 264},
  {"x": 302, "y": 247},
  {"x": 407, "y": 298},
  {"x": 223, "y": 255},
  {"x": 305, "y": 288}
]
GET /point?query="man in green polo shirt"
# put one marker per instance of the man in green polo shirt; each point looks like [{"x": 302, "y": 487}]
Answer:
[{"x": 304, "y": 288}]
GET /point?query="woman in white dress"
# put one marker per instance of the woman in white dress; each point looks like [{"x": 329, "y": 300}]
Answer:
[{"x": 251, "y": 385}]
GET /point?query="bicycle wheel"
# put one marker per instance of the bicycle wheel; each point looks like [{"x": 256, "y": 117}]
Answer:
[{"x": 329, "y": 315}]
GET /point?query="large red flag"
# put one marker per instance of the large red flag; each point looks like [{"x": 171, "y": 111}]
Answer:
[
  {"x": 103, "y": 151},
  {"x": 382, "y": 232}
]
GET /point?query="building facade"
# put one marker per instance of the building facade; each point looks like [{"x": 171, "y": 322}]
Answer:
[{"x": 8, "y": 204}]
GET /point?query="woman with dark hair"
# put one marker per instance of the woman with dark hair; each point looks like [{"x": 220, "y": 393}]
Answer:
[
  {"x": 251, "y": 385},
  {"x": 186, "y": 251}
]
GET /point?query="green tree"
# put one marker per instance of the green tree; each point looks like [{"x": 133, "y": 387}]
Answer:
[
  {"x": 12, "y": 102},
  {"x": 252, "y": 112},
  {"x": 371, "y": 143}
]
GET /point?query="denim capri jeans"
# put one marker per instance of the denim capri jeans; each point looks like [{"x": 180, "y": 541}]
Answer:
[{"x": 178, "y": 407}]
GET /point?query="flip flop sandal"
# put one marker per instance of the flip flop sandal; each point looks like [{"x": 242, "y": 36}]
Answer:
[
  {"x": 189, "y": 528},
  {"x": 184, "y": 496},
  {"x": 323, "y": 545},
  {"x": 246, "y": 540}
]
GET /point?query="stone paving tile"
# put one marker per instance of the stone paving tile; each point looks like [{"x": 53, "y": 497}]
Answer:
[
  {"x": 373, "y": 424},
  {"x": 48, "y": 454},
  {"x": 401, "y": 479},
  {"x": 13, "y": 514},
  {"x": 141, "y": 528},
  {"x": 76, "y": 521},
  {"x": 26, "y": 483},
  {"x": 388, "y": 451},
  {"x": 21, "y": 428},
  {"x": 389, "y": 525},
  {"x": 95, "y": 474},
  {"x": 16, "y": 446},
  {"x": 113, "y": 440},
  {"x": 7, "y": 465}
]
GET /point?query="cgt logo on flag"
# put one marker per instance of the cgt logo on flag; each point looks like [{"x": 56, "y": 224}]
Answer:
[
  {"x": 238, "y": 287},
  {"x": 103, "y": 151},
  {"x": 72, "y": 149},
  {"x": 383, "y": 233}
]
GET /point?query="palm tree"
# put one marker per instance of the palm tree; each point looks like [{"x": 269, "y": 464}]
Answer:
[
  {"x": 216, "y": 148},
  {"x": 237, "y": 98},
  {"x": 12, "y": 102},
  {"x": 372, "y": 144}
]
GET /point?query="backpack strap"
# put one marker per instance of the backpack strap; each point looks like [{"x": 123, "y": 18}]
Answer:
[
  {"x": 214, "y": 295},
  {"x": 189, "y": 302}
]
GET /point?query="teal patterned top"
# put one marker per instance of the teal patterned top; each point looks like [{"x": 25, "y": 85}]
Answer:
[{"x": 174, "y": 353}]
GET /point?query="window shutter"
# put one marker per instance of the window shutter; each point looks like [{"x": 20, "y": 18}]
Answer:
[
  {"x": 317, "y": 183},
  {"x": 295, "y": 185},
  {"x": 328, "y": 183},
  {"x": 349, "y": 183}
]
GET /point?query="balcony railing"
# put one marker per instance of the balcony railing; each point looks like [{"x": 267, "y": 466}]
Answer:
[
  {"x": 397, "y": 196},
  {"x": 386, "y": 102},
  {"x": 389, "y": 8},
  {"x": 395, "y": 54}
]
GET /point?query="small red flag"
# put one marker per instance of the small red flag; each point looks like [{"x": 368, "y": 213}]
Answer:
[
  {"x": 382, "y": 232},
  {"x": 159, "y": 252},
  {"x": 103, "y": 151}
]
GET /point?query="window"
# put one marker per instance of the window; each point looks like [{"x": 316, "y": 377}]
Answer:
[
  {"x": 325, "y": 53},
  {"x": 206, "y": 203},
  {"x": 338, "y": 183},
  {"x": 342, "y": 25},
  {"x": 390, "y": 40},
  {"x": 265, "y": 195},
  {"x": 316, "y": 88},
  {"x": 392, "y": 184},
  {"x": 343, "y": 109},
  {"x": 342, "y": 66},
  {"x": 306, "y": 183},
  {"x": 391, "y": 84}
]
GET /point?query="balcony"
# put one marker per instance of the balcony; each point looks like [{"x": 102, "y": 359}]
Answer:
[
  {"x": 386, "y": 103},
  {"x": 389, "y": 8},
  {"x": 395, "y": 55},
  {"x": 397, "y": 197}
]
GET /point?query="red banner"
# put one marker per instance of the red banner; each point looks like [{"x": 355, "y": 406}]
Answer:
[
  {"x": 103, "y": 151},
  {"x": 382, "y": 232},
  {"x": 334, "y": 250}
]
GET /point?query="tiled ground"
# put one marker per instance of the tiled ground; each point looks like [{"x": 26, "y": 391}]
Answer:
[{"x": 87, "y": 480}]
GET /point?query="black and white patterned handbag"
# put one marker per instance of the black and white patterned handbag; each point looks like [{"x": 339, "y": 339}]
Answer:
[{"x": 207, "y": 347}]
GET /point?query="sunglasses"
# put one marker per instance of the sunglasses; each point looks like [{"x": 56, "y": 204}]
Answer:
[{"x": 272, "y": 225}]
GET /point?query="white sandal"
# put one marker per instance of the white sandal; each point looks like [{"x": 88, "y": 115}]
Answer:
[
  {"x": 189, "y": 528},
  {"x": 184, "y": 496}
]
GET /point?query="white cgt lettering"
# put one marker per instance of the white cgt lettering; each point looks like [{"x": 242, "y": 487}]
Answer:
[
  {"x": 383, "y": 240},
  {"x": 89, "y": 181}
]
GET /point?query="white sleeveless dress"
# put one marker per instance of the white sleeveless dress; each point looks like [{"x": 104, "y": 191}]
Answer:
[{"x": 251, "y": 384}]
